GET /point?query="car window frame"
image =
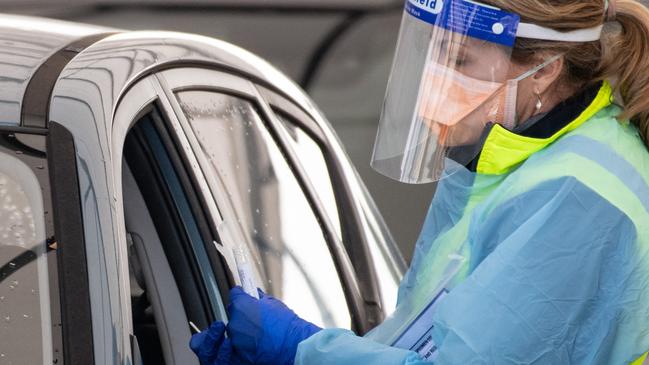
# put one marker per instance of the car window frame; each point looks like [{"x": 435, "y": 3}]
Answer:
[
  {"x": 179, "y": 79},
  {"x": 181, "y": 237},
  {"x": 135, "y": 103},
  {"x": 194, "y": 201}
]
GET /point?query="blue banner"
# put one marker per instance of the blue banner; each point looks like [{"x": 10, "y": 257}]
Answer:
[{"x": 469, "y": 18}]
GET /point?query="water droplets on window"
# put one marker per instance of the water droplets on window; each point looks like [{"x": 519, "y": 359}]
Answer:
[
  {"x": 280, "y": 228},
  {"x": 25, "y": 324}
]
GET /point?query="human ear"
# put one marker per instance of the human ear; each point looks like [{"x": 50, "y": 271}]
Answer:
[{"x": 546, "y": 77}]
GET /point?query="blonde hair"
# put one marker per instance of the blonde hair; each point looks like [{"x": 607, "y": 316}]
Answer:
[{"x": 622, "y": 55}]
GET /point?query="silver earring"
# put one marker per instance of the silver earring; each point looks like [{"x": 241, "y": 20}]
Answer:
[{"x": 539, "y": 103}]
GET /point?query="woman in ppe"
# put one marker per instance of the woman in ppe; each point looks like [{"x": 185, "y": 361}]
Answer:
[{"x": 533, "y": 115}]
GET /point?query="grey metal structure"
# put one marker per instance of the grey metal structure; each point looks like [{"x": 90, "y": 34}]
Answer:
[{"x": 91, "y": 85}]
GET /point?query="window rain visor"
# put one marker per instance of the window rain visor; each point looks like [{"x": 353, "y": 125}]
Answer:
[{"x": 448, "y": 82}]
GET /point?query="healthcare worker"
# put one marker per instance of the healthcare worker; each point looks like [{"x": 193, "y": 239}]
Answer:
[{"x": 533, "y": 115}]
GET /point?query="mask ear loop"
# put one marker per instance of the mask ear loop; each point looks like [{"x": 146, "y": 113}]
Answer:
[{"x": 510, "y": 119}]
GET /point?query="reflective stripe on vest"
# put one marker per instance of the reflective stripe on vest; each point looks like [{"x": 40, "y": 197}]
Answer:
[{"x": 608, "y": 158}]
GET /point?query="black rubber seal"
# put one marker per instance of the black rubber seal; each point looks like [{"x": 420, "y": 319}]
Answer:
[
  {"x": 71, "y": 247},
  {"x": 36, "y": 101}
]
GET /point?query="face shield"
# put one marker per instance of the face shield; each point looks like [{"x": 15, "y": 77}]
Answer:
[{"x": 450, "y": 79}]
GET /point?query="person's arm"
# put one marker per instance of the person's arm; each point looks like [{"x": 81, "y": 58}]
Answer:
[{"x": 338, "y": 347}]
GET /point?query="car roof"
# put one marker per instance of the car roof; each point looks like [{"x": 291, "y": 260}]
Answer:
[
  {"x": 130, "y": 56},
  {"x": 25, "y": 44},
  {"x": 28, "y": 42}
]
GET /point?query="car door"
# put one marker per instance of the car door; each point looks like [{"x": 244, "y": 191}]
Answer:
[
  {"x": 213, "y": 166},
  {"x": 183, "y": 222},
  {"x": 269, "y": 205}
]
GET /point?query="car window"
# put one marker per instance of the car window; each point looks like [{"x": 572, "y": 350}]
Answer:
[
  {"x": 25, "y": 313},
  {"x": 280, "y": 228},
  {"x": 383, "y": 254},
  {"x": 313, "y": 161}
]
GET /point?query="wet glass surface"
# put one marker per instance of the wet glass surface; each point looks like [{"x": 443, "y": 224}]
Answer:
[
  {"x": 315, "y": 165},
  {"x": 282, "y": 231},
  {"x": 24, "y": 301}
]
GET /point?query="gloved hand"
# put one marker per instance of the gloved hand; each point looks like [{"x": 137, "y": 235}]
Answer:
[
  {"x": 211, "y": 346},
  {"x": 265, "y": 331}
]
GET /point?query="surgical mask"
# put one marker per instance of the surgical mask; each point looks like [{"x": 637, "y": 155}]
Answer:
[{"x": 451, "y": 97}]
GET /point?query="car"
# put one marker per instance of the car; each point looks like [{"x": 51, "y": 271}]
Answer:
[
  {"x": 143, "y": 174},
  {"x": 341, "y": 56}
]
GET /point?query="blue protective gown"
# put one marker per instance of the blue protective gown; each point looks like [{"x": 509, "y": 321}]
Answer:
[{"x": 557, "y": 260}]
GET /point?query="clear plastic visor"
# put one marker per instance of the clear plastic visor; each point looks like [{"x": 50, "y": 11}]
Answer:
[{"x": 448, "y": 82}]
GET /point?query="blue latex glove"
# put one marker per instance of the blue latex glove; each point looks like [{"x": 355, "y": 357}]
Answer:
[
  {"x": 265, "y": 331},
  {"x": 212, "y": 348}
]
